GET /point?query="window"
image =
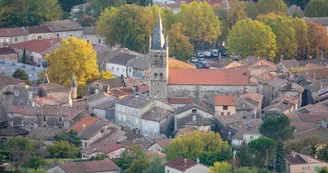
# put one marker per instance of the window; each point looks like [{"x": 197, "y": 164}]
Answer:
[
  {"x": 87, "y": 41},
  {"x": 124, "y": 117},
  {"x": 123, "y": 70},
  {"x": 137, "y": 121},
  {"x": 132, "y": 119},
  {"x": 117, "y": 69},
  {"x": 194, "y": 110},
  {"x": 119, "y": 117},
  {"x": 222, "y": 113},
  {"x": 225, "y": 107},
  {"x": 85, "y": 144},
  {"x": 57, "y": 35},
  {"x": 228, "y": 113},
  {"x": 39, "y": 37},
  {"x": 113, "y": 68},
  {"x": 15, "y": 39},
  {"x": 16, "y": 92},
  {"x": 99, "y": 41},
  {"x": 194, "y": 118},
  {"x": 130, "y": 69},
  {"x": 22, "y": 123},
  {"x": 60, "y": 119},
  {"x": 32, "y": 124},
  {"x": 155, "y": 61},
  {"x": 7, "y": 40},
  {"x": 155, "y": 74}
]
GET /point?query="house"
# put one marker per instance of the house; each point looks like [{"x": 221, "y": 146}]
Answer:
[
  {"x": 54, "y": 94},
  {"x": 112, "y": 150},
  {"x": 225, "y": 105},
  {"x": 183, "y": 165},
  {"x": 285, "y": 66},
  {"x": 144, "y": 142},
  {"x": 84, "y": 123},
  {"x": 8, "y": 54},
  {"x": 46, "y": 116},
  {"x": 180, "y": 102},
  {"x": 295, "y": 11},
  {"x": 44, "y": 134},
  {"x": 38, "y": 32},
  {"x": 264, "y": 62},
  {"x": 297, "y": 162},
  {"x": 89, "y": 34},
  {"x": 76, "y": 9},
  {"x": 144, "y": 114},
  {"x": 64, "y": 28},
  {"x": 118, "y": 64},
  {"x": 233, "y": 64},
  {"x": 96, "y": 166},
  {"x": 105, "y": 110},
  {"x": 160, "y": 145},
  {"x": 194, "y": 115},
  {"x": 107, "y": 54},
  {"x": 95, "y": 131},
  {"x": 319, "y": 75},
  {"x": 104, "y": 85},
  {"x": 36, "y": 49},
  {"x": 9, "y": 130},
  {"x": 96, "y": 99},
  {"x": 8, "y": 68},
  {"x": 183, "y": 131},
  {"x": 257, "y": 98},
  {"x": 12, "y": 36},
  {"x": 319, "y": 20},
  {"x": 150, "y": 155},
  {"x": 249, "y": 60},
  {"x": 282, "y": 105},
  {"x": 138, "y": 66}
]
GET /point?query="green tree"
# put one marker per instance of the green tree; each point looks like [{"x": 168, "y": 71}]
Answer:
[
  {"x": 301, "y": 37},
  {"x": 236, "y": 13},
  {"x": 280, "y": 162},
  {"x": 35, "y": 162},
  {"x": 95, "y": 7},
  {"x": 105, "y": 25},
  {"x": 285, "y": 35},
  {"x": 21, "y": 74},
  {"x": 24, "y": 56},
  {"x": 62, "y": 149},
  {"x": 20, "y": 149},
  {"x": 259, "y": 147},
  {"x": 249, "y": 37},
  {"x": 180, "y": 46},
  {"x": 268, "y": 6},
  {"x": 251, "y": 9},
  {"x": 222, "y": 13},
  {"x": 246, "y": 170},
  {"x": 277, "y": 127},
  {"x": 308, "y": 146},
  {"x": 75, "y": 56},
  {"x": 244, "y": 156},
  {"x": 71, "y": 137},
  {"x": 221, "y": 167},
  {"x": 316, "y": 8},
  {"x": 28, "y": 12},
  {"x": 205, "y": 145},
  {"x": 323, "y": 170},
  {"x": 156, "y": 165},
  {"x": 68, "y": 4},
  {"x": 140, "y": 2},
  {"x": 132, "y": 161},
  {"x": 201, "y": 23}
]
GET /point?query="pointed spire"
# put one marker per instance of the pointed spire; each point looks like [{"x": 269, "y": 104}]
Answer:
[
  {"x": 73, "y": 83},
  {"x": 158, "y": 34},
  {"x": 46, "y": 79}
]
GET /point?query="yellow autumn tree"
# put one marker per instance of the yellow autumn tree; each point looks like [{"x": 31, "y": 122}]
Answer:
[
  {"x": 106, "y": 75},
  {"x": 75, "y": 56}
]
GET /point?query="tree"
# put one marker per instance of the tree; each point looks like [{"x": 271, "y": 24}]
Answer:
[
  {"x": 106, "y": 75},
  {"x": 180, "y": 46},
  {"x": 71, "y": 137},
  {"x": 301, "y": 37},
  {"x": 156, "y": 165},
  {"x": 235, "y": 13},
  {"x": 75, "y": 56},
  {"x": 300, "y": 3},
  {"x": 323, "y": 170},
  {"x": 24, "y": 56},
  {"x": 318, "y": 40},
  {"x": 95, "y": 7},
  {"x": 20, "y": 13},
  {"x": 62, "y": 149},
  {"x": 132, "y": 161},
  {"x": 251, "y": 9},
  {"x": 86, "y": 20},
  {"x": 35, "y": 162},
  {"x": 140, "y": 2},
  {"x": 285, "y": 35},
  {"x": 203, "y": 145},
  {"x": 222, "y": 13},
  {"x": 221, "y": 167},
  {"x": 246, "y": 170},
  {"x": 308, "y": 146},
  {"x": 277, "y": 127},
  {"x": 244, "y": 156},
  {"x": 105, "y": 25},
  {"x": 268, "y": 6},
  {"x": 316, "y": 8},
  {"x": 249, "y": 37},
  {"x": 280, "y": 162},
  {"x": 68, "y": 4},
  {"x": 201, "y": 23},
  {"x": 21, "y": 74},
  {"x": 20, "y": 149},
  {"x": 259, "y": 147}
]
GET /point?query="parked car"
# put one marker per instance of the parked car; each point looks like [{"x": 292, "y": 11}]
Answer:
[
  {"x": 203, "y": 61},
  {"x": 198, "y": 65},
  {"x": 193, "y": 60},
  {"x": 207, "y": 53},
  {"x": 206, "y": 66},
  {"x": 200, "y": 54},
  {"x": 234, "y": 57},
  {"x": 214, "y": 52}
]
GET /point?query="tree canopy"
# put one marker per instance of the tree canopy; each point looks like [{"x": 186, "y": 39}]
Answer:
[
  {"x": 268, "y": 6},
  {"x": 259, "y": 147},
  {"x": 280, "y": 158},
  {"x": 249, "y": 37},
  {"x": 221, "y": 167},
  {"x": 277, "y": 127},
  {"x": 318, "y": 40},
  {"x": 180, "y": 46},
  {"x": 21, "y": 74},
  {"x": 70, "y": 137},
  {"x": 316, "y": 8},
  {"x": 74, "y": 57}
]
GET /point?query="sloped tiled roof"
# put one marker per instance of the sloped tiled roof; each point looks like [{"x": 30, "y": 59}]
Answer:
[
  {"x": 37, "y": 29},
  {"x": 225, "y": 100},
  {"x": 6, "y": 80},
  {"x": 12, "y": 32},
  {"x": 93, "y": 129},
  {"x": 90, "y": 166},
  {"x": 7, "y": 50},
  {"x": 87, "y": 120},
  {"x": 63, "y": 25},
  {"x": 105, "y": 149},
  {"x": 181, "y": 164},
  {"x": 24, "y": 110},
  {"x": 37, "y": 45},
  {"x": 122, "y": 58},
  {"x": 54, "y": 110},
  {"x": 319, "y": 20},
  {"x": 44, "y": 133},
  {"x": 156, "y": 114}
]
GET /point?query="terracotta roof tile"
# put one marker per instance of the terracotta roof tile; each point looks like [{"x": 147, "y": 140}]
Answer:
[
  {"x": 143, "y": 89},
  {"x": 164, "y": 143},
  {"x": 90, "y": 166},
  {"x": 87, "y": 120},
  {"x": 186, "y": 130},
  {"x": 225, "y": 100},
  {"x": 63, "y": 25},
  {"x": 209, "y": 76},
  {"x": 253, "y": 96},
  {"x": 6, "y": 81},
  {"x": 152, "y": 153},
  {"x": 181, "y": 100},
  {"x": 12, "y": 32},
  {"x": 103, "y": 148},
  {"x": 37, "y": 45},
  {"x": 24, "y": 110},
  {"x": 37, "y": 29},
  {"x": 181, "y": 164},
  {"x": 264, "y": 62},
  {"x": 54, "y": 110}
]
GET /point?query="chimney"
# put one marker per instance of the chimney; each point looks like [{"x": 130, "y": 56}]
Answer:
[{"x": 84, "y": 126}]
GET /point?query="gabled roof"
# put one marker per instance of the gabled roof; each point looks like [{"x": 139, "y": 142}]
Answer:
[
  {"x": 63, "y": 25},
  {"x": 294, "y": 9},
  {"x": 87, "y": 121},
  {"x": 181, "y": 100},
  {"x": 44, "y": 133},
  {"x": 37, "y": 45},
  {"x": 12, "y": 32},
  {"x": 292, "y": 63},
  {"x": 232, "y": 77},
  {"x": 93, "y": 129},
  {"x": 103, "y": 148},
  {"x": 24, "y": 110},
  {"x": 164, "y": 143},
  {"x": 52, "y": 87},
  {"x": 136, "y": 100},
  {"x": 6, "y": 80},
  {"x": 140, "y": 62},
  {"x": 37, "y": 29},
  {"x": 60, "y": 111},
  {"x": 253, "y": 96},
  {"x": 297, "y": 158},
  {"x": 156, "y": 114},
  {"x": 181, "y": 164},
  {"x": 122, "y": 58},
  {"x": 319, "y": 20},
  {"x": 225, "y": 100},
  {"x": 264, "y": 62},
  {"x": 89, "y": 166}
]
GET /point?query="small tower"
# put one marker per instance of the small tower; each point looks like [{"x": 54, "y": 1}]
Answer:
[
  {"x": 158, "y": 63},
  {"x": 45, "y": 79},
  {"x": 74, "y": 88}
]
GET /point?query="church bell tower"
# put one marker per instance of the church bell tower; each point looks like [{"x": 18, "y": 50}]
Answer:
[{"x": 159, "y": 51}]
